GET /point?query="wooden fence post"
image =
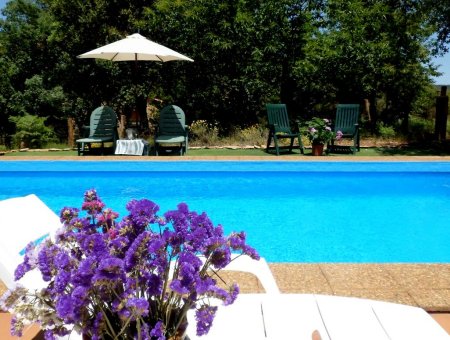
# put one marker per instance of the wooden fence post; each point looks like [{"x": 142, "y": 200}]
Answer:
[
  {"x": 122, "y": 125},
  {"x": 71, "y": 132}
]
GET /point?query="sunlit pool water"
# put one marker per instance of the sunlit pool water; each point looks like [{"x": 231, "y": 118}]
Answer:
[{"x": 291, "y": 211}]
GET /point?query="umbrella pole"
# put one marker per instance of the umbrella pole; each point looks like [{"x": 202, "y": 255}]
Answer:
[{"x": 137, "y": 103}]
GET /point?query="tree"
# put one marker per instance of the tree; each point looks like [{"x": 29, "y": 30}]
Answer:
[
  {"x": 371, "y": 49},
  {"x": 244, "y": 52},
  {"x": 305, "y": 53},
  {"x": 26, "y": 63},
  {"x": 439, "y": 17}
]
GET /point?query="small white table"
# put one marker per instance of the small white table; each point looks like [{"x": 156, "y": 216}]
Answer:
[{"x": 134, "y": 147}]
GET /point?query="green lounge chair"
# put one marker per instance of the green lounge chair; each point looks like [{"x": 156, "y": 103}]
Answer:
[
  {"x": 279, "y": 128},
  {"x": 171, "y": 131},
  {"x": 347, "y": 121},
  {"x": 102, "y": 129}
]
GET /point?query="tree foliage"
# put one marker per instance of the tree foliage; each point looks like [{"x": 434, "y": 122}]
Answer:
[
  {"x": 440, "y": 19},
  {"x": 308, "y": 54}
]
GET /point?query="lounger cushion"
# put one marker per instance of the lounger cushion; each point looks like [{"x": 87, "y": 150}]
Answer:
[{"x": 170, "y": 139}]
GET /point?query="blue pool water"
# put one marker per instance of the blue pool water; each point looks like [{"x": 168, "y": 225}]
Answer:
[{"x": 291, "y": 211}]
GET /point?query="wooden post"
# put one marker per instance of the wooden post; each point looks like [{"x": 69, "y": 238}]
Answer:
[
  {"x": 122, "y": 125},
  {"x": 366, "y": 109},
  {"x": 71, "y": 132},
  {"x": 440, "y": 127}
]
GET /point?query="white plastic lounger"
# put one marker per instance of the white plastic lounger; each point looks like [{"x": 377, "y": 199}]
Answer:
[
  {"x": 22, "y": 220},
  {"x": 258, "y": 268},
  {"x": 298, "y": 316}
]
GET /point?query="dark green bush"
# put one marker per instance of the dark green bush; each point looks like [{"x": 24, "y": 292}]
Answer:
[
  {"x": 420, "y": 129},
  {"x": 32, "y": 132}
]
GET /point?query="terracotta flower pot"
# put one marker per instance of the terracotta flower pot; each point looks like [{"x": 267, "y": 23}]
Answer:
[{"x": 317, "y": 149}]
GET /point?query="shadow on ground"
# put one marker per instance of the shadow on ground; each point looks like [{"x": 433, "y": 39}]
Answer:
[{"x": 417, "y": 149}]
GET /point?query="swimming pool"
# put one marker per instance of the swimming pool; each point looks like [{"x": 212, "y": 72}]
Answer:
[{"x": 291, "y": 211}]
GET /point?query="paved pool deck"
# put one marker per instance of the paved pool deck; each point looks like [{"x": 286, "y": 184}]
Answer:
[{"x": 293, "y": 158}]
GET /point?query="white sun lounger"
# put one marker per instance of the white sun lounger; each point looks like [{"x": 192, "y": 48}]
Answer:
[
  {"x": 22, "y": 220},
  {"x": 297, "y": 316},
  {"x": 258, "y": 268}
]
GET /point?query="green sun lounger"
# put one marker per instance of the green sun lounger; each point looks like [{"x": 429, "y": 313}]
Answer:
[
  {"x": 347, "y": 121},
  {"x": 279, "y": 128},
  {"x": 102, "y": 129},
  {"x": 171, "y": 132}
]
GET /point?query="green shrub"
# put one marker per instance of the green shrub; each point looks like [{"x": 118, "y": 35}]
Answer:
[
  {"x": 31, "y": 131},
  {"x": 204, "y": 133},
  {"x": 252, "y": 135},
  {"x": 420, "y": 129},
  {"x": 385, "y": 131}
]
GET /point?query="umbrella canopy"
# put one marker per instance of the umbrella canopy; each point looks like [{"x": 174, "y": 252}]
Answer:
[{"x": 135, "y": 47}]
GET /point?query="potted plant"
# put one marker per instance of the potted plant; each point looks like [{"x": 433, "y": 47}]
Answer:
[
  {"x": 319, "y": 133},
  {"x": 132, "y": 279}
]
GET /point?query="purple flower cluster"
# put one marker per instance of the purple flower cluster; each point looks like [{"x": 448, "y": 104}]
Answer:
[
  {"x": 133, "y": 278},
  {"x": 319, "y": 131}
]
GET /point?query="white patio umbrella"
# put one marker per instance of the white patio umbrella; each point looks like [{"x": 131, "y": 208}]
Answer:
[{"x": 135, "y": 47}]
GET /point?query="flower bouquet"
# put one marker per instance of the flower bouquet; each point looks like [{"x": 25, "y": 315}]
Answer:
[
  {"x": 319, "y": 131},
  {"x": 132, "y": 279}
]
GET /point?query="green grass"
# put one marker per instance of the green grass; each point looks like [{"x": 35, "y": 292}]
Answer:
[{"x": 431, "y": 149}]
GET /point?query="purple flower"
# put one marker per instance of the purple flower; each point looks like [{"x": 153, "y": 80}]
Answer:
[
  {"x": 145, "y": 332},
  {"x": 45, "y": 261},
  {"x": 30, "y": 261},
  {"x": 154, "y": 283},
  {"x": 64, "y": 307},
  {"x": 158, "y": 331},
  {"x": 220, "y": 258},
  {"x": 106, "y": 218},
  {"x": 137, "y": 307},
  {"x": 232, "y": 295},
  {"x": 142, "y": 213},
  {"x": 93, "y": 207},
  {"x": 48, "y": 335},
  {"x": 85, "y": 271},
  {"x": 68, "y": 214},
  {"x": 204, "y": 317},
  {"x": 16, "y": 327},
  {"x": 95, "y": 244},
  {"x": 98, "y": 326},
  {"x": 62, "y": 280},
  {"x": 62, "y": 260},
  {"x": 80, "y": 299},
  {"x": 247, "y": 250},
  {"x": 21, "y": 270},
  {"x": 180, "y": 286},
  {"x": 237, "y": 240},
  {"x": 137, "y": 251},
  {"x": 109, "y": 269},
  {"x": 145, "y": 269},
  {"x": 90, "y": 195},
  {"x": 204, "y": 285},
  {"x": 118, "y": 245}
]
